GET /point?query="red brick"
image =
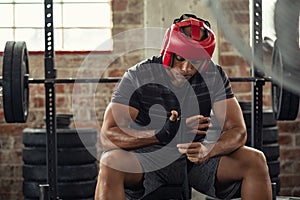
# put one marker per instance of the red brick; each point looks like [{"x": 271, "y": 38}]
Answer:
[
  {"x": 232, "y": 60},
  {"x": 37, "y": 102},
  {"x": 135, "y": 5},
  {"x": 285, "y": 139},
  {"x": 285, "y": 191},
  {"x": 11, "y": 157},
  {"x": 240, "y": 88},
  {"x": 10, "y": 171},
  {"x": 63, "y": 101},
  {"x": 60, "y": 88},
  {"x": 116, "y": 73},
  {"x": 287, "y": 167},
  {"x": 10, "y": 185},
  {"x": 289, "y": 126},
  {"x": 119, "y": 5},
  {"x": 290, "y": 153},
  {"x": 289, "y": 180},
  {"x": 225, "y": 47},
  {"x": 12, "y": 128},
  {"x": 297, "y": 140},
  {"x": 128, "y": 18},
  {"x": 297, "y": 166},
  {"x": 231, "y": 5},
  {"x": 37, "y": 89}
]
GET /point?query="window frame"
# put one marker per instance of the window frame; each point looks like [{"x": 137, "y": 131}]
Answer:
[{"x": 63, "y": 28}]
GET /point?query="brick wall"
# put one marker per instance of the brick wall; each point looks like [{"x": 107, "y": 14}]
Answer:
[
  {"x": 127, "y": 15},
  {"x": 236, "y": 66}
]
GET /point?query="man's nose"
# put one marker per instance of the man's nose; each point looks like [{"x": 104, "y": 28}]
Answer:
[{"x": 186, "y": 66}]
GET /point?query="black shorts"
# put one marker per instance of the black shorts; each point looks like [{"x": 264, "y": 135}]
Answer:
[{"x": 168, "y": 167}]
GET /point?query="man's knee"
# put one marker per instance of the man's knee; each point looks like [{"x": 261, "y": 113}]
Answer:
[
  {"x": 121, "y": 161},
  {"x": 256, "y": 160}
]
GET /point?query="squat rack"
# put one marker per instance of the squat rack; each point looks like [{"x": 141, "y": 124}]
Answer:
[{"x": 49, "y": 190}]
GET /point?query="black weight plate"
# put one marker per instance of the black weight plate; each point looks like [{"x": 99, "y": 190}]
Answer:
[
  {"x": 66, "y": 190},
  {"x": 274, "y": 168},
  {"x": 268, "y": 118},
  {"x": 270, "y": 135},
  {"x": 7, "y": 82},
  {"x": 20, "y": 73},
  {"x": 285, "y": 103},
  {"x": 67, "y": 138},
  {"x": 65, "y": 156},
  {"x": 286, "y": 24},
  {"x": 276, "y": 180},
  {"x": 65, "y": 173},
  {"x": 288, "y": 106},
  {"x": 245, "y": 105},
  {"x": 271, "y": 151}
]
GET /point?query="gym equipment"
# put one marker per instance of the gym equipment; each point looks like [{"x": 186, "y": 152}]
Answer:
[
  {"x": 16, "y": 79},
  {"x": 15, "y": 83},
  {"x": 76, "y": 164},
  {"x": 285, "y": 103}
]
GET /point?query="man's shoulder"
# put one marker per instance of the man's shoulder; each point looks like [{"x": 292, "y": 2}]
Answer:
[
  {"x": 147, "y": 64},
  {"x": 149, "y": 67}
]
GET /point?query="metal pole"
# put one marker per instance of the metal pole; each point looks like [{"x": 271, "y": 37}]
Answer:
[
  {"x": 50, "y": 75},
  {"x": 257, "y": 72}
]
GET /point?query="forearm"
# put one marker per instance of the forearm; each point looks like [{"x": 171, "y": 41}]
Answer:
[
  {"x": 229, "y": 141},
  {"x": 127, "y": 138}
]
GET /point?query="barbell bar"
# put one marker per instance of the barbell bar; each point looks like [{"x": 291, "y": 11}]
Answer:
[{"x": 15, "y": 86}]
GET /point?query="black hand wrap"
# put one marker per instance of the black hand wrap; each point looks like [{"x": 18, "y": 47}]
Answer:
[{"x": 168, "y": 132}]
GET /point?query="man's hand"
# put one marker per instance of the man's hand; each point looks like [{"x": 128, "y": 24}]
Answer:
[
  {"x": 198, "y": 124},
  {"x": 195, "y": 151},
  {"x": 169, "y": 130}
]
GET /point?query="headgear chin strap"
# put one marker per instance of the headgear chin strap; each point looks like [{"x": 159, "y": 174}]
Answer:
[{"x": 190, "y": 48}]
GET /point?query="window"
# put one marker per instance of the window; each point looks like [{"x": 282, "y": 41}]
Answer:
[
  {"x": 268, "y": 29},
  {"x": 79, "y": 25},
  {"x": 267, "y": 19}
]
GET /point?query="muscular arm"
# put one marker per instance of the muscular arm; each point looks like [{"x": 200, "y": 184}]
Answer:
[
  {"x": 233, "y": 136},
  {"x": 115, "y": 132},
  {"x": 229, "y": 114}
]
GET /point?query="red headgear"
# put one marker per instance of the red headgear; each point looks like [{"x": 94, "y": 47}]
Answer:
[{"x": 190, "y": 48}]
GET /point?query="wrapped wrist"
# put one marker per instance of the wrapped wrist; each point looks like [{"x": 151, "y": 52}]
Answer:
[{"x": 168, "y": 132}]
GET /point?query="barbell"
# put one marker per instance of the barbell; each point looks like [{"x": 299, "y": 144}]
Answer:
[{"x": 15, "y": 83}]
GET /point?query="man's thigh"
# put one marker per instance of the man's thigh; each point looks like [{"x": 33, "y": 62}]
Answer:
[
  {"x": 233, "y": 167},
  {"x": 125, "y": 163}
]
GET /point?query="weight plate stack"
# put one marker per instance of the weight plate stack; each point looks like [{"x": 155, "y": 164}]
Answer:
[{"x": 77, "y": 167}]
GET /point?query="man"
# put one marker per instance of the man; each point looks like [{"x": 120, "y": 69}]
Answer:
[{"x": 154, "y": 129}]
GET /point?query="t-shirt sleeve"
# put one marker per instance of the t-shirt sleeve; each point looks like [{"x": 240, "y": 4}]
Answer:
[
  {"x": 222, "y": 86},
  {"x": 126, "y": 91}
]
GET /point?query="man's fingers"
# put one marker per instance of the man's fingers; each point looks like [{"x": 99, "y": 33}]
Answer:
[
  {"x": 189, "y": 145},
  {"x": 174, "y": 115},
  {"x": 191, "y": 149},
  {"x": 198, "y": 119},
  {"x": 199, "y": 132},
  {"x": 199, "y": 122}
]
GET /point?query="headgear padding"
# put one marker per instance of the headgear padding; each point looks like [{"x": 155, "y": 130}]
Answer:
[{"x": 190, "y": 48}]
